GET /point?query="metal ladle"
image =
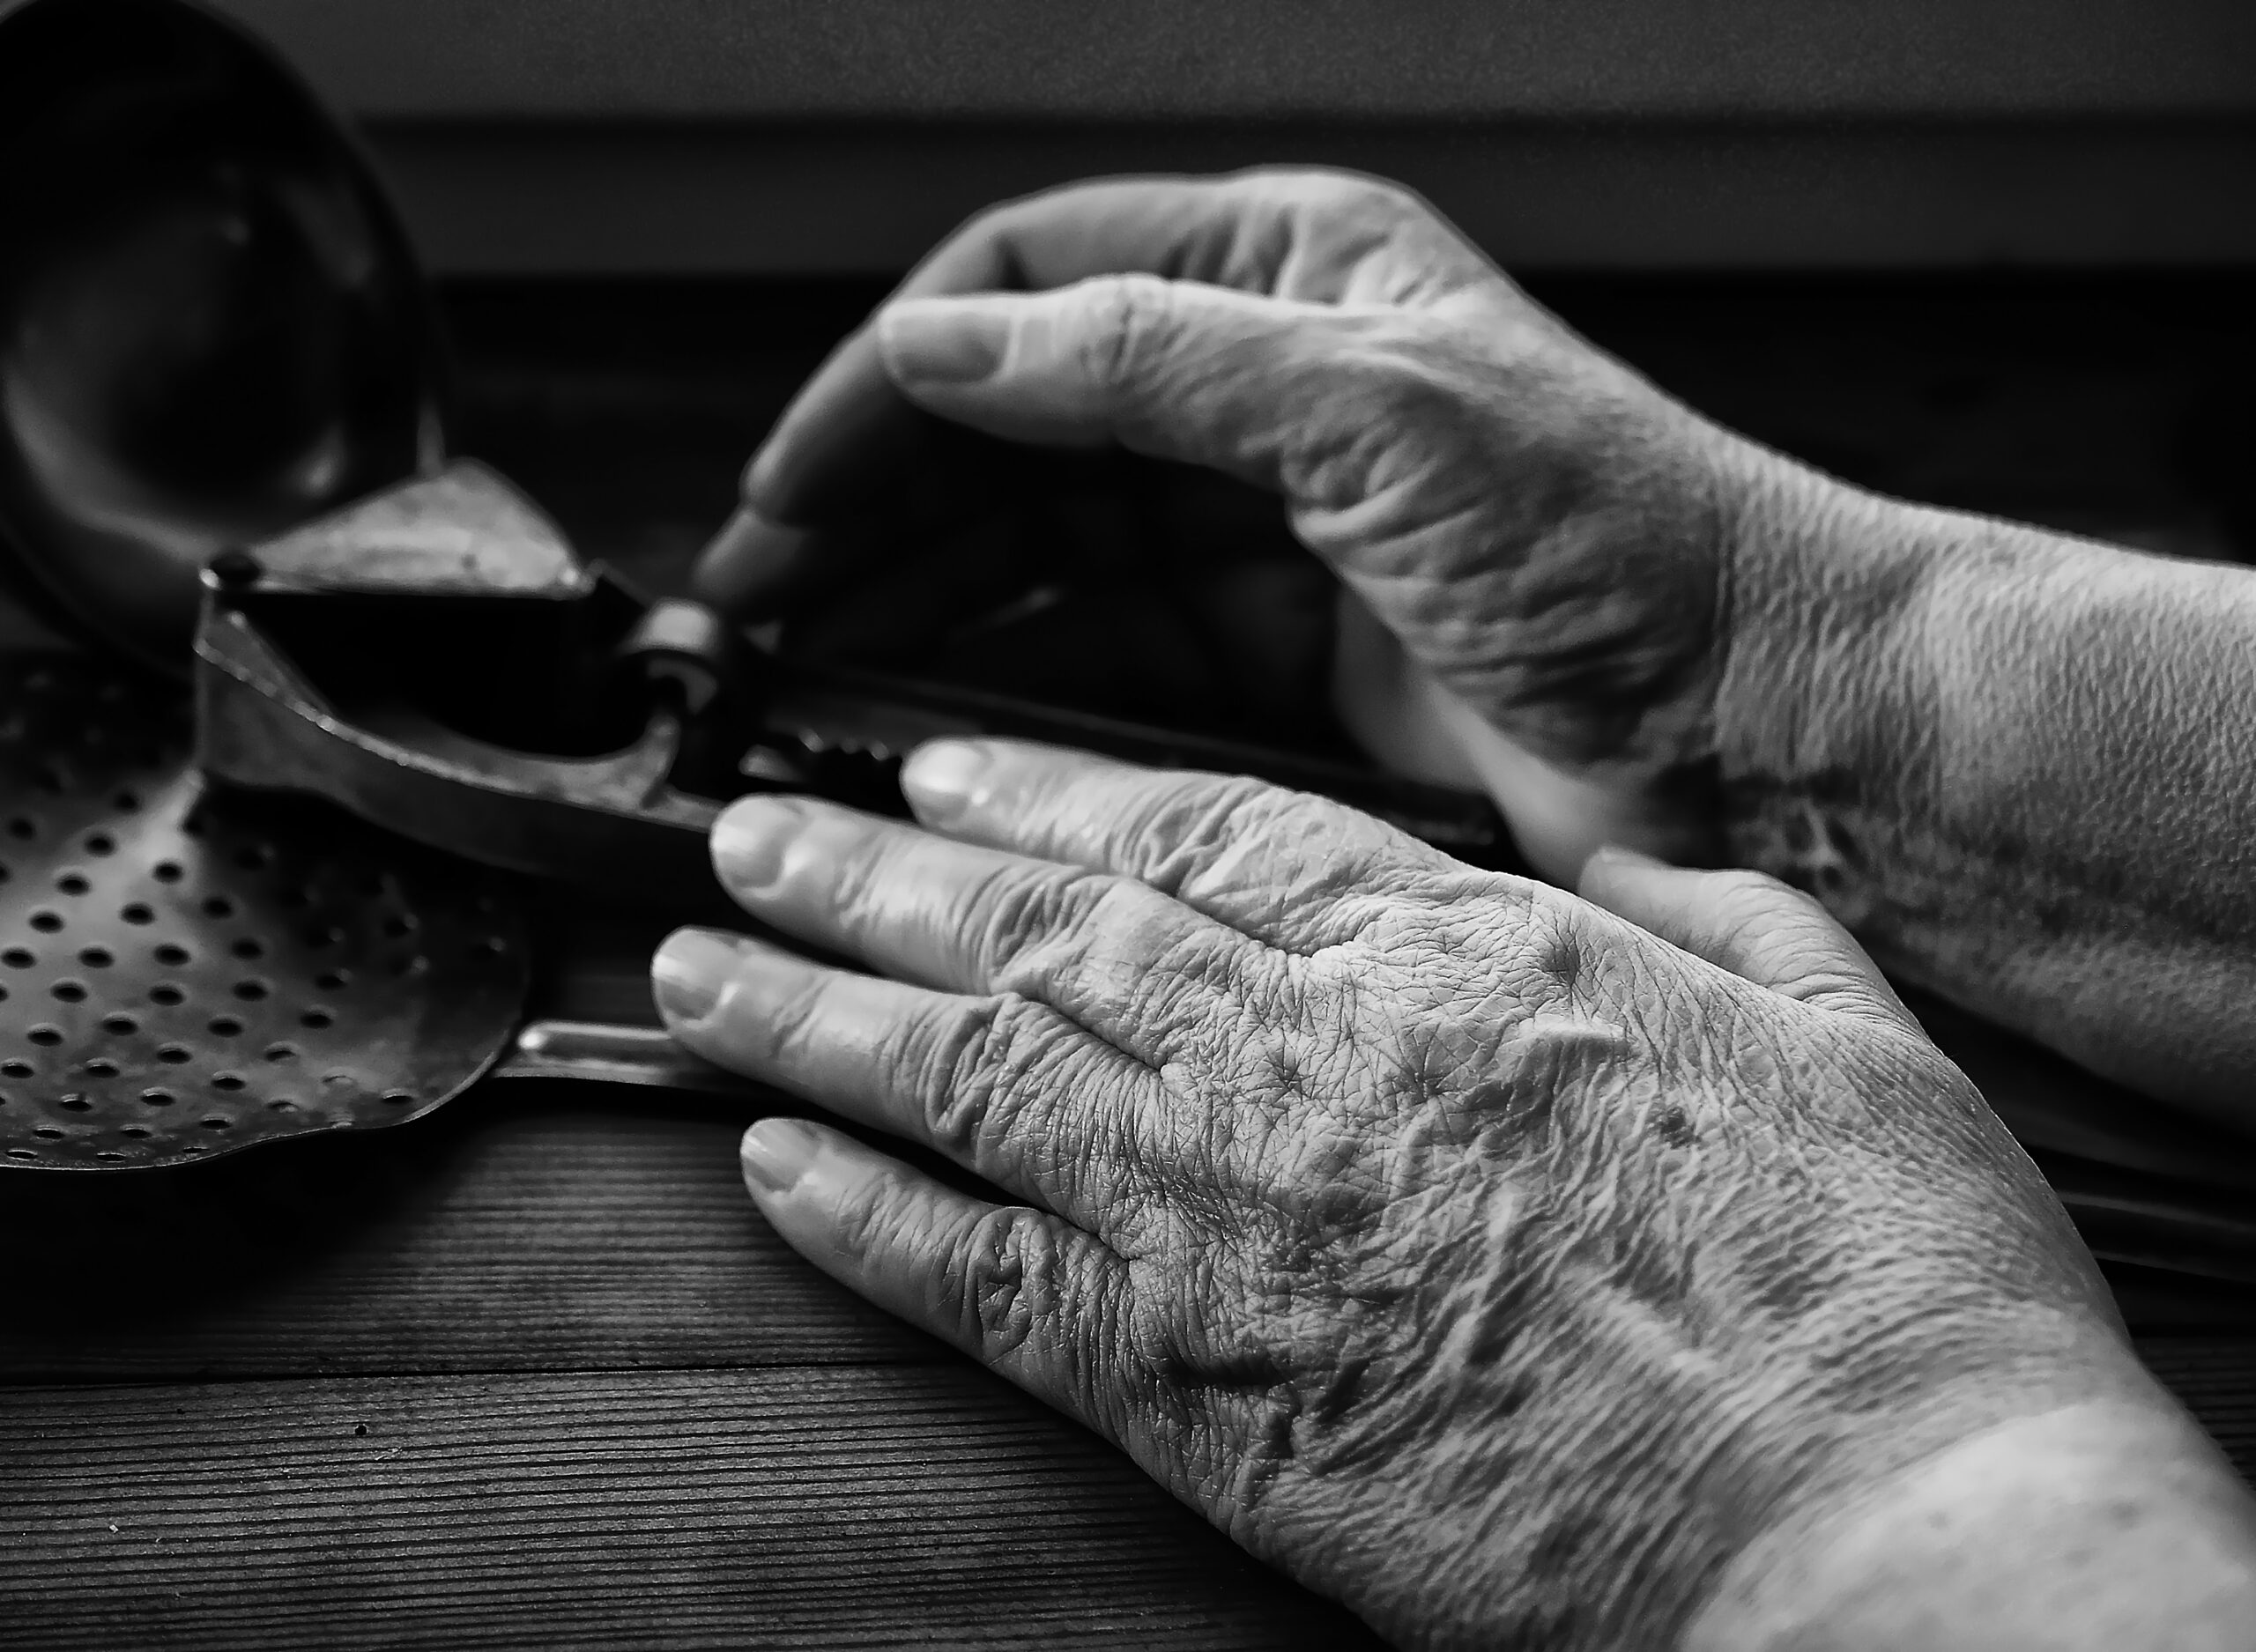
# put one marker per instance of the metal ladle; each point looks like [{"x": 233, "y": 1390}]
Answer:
[
  {"x": 212, "y": 324},
  {"x": 212, "y": 328}
]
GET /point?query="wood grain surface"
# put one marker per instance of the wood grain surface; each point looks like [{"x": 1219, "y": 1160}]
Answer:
[
  {"x": 869, "y": 1507},
  {"x": 525, "y": 1226},
  {"x": 602, "y": 1407}
]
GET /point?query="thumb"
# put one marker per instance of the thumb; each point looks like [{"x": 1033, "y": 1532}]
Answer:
[
  {"x": 1750, "y": 924},
  {"x": 1174, "y": 369}
]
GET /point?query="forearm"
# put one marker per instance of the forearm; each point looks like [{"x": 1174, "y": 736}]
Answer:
[
  {"x": 2023, "y": 767},
  {"x": 2099, "y": 1526}
]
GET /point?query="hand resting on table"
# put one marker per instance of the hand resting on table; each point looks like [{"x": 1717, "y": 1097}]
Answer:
[{"x": 1517, "y": 1275}]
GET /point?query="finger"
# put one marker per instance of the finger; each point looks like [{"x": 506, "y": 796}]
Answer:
[
  {"x": 1026, "y": 1294},
  {"x": 1750, "y": 924},
  {"x": 1242, "y": 232},
  {"x": 850, "y": 437},
  {"x": 1140, "y": 970},
  {"x": 849, "y": 440},
  {"x": 1007, "y": 1088},
  {"x": 1258, "y": 387},
  {"x": 1285, "y": 868}
]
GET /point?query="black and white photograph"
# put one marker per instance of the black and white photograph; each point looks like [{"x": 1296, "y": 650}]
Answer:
[{"x": 1186, "y": 827}]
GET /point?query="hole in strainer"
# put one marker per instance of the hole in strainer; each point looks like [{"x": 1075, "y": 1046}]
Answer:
[
  {"x": 224, "y": 1026},
  {"x": 100, "y": 843},
  {"x": 158, "y": 1098},
  {"x": 138, "y": 912},
  {"x": 70, "y": 991},
  {"x": 168, "y": 871},
  {"x": 281, "y": 1052},
  {"x": 316, "y": 1018},
  {"x": 46, "y": 1034},
  {"x": 219, "y": 906},
  {"x": 74, "y": 1102},
  {"x": 216, "y": 1122},
  {"x": 47, "y": 922},
  {"x": 101, "y": 1067},
  {"x": 171, "y": 954},
  {"x": 72, "y": 884},
  {"x": 399, "y": 1097},
  {"x": 48, "y": 1132},
  {"x": 22, "y": 827},
  {"x": 96, "y": 957},
  {"x": 120, "y": 1024},
  {"x": 174, "y": 1053},
  {"x": 228, "y": 1081},
  {"x": 332, "y": 980},
  {"x": 249, "y": 947},
  {"x": 252, "y": 990},
  {"x": 19, "y": 957},
  {"x": 17, "y": 1068},
  {"x": 138, "y": 1132},
  {"x": 165, "y": 993}
]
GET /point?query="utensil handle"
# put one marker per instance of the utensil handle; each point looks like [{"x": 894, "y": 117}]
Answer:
[{"x": 617, "y": 1054}]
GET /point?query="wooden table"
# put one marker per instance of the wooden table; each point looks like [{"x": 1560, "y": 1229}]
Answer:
[{"x": 532, "y": 1373}]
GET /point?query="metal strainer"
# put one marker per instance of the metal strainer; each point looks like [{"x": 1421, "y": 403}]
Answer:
[{"x": 184, "y": 972}]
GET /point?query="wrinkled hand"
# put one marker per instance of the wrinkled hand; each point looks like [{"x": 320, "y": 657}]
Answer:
[
  {"x": 1491, "y": 1264},
  {"x": 1534, "y": 541}
]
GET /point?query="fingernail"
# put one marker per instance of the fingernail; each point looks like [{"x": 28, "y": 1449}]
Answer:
[
  {"x": 689, "y": 970},
  {"x": 750, "y": 838},
  {"x": 942, "y": 779},
  {"x": 776, "y": 1152},
  {"x": 943, "y": 341}
]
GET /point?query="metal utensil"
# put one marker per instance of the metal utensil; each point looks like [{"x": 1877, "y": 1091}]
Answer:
[
  {"x": 184, "y": 972},
  {"x": 211, "y": 325}
]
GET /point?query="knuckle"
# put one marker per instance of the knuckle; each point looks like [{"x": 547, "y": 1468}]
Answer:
[
  {"x": 858, "y": 880},
  {"x": 790, "y": 1024},
  {"x": 1008, "y": 1279},
  {"x": 1122, "y": 319},
  {"x": 1026, "y": 905},
  {"x": 980, "y": 1073}
]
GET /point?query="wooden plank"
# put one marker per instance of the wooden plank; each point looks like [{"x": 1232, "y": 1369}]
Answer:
[
  {"x": 972, "y": 60},
  {"x": 873, "y": 1507},
  {"x": 525, "y": 1227}
]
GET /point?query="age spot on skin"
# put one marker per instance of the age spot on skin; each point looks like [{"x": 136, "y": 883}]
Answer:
[{"x": 1672, "y": 1126}]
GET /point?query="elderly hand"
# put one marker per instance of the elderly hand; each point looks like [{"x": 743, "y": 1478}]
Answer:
[
  {"x": 1510, "y": 1274},
  {"x": 1534, "y": 544}
]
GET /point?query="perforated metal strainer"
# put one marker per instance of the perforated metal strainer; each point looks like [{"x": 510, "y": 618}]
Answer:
[{"x": 184, "y": 972}]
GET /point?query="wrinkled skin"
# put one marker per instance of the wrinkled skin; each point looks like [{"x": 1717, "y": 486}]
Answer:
[
  {"x": 1488, "y": 1261},
  {"x": 1533, "y": 542},
  {"x": 2019, "y": 766}
]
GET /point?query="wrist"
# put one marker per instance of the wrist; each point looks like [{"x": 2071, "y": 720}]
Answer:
[
  {"x": 2102, "y": 1525},
  {"x": 1826, "y": 682}
]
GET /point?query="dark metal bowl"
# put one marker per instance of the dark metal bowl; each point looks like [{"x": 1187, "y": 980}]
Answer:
[{"x": 212, "y": 324}]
